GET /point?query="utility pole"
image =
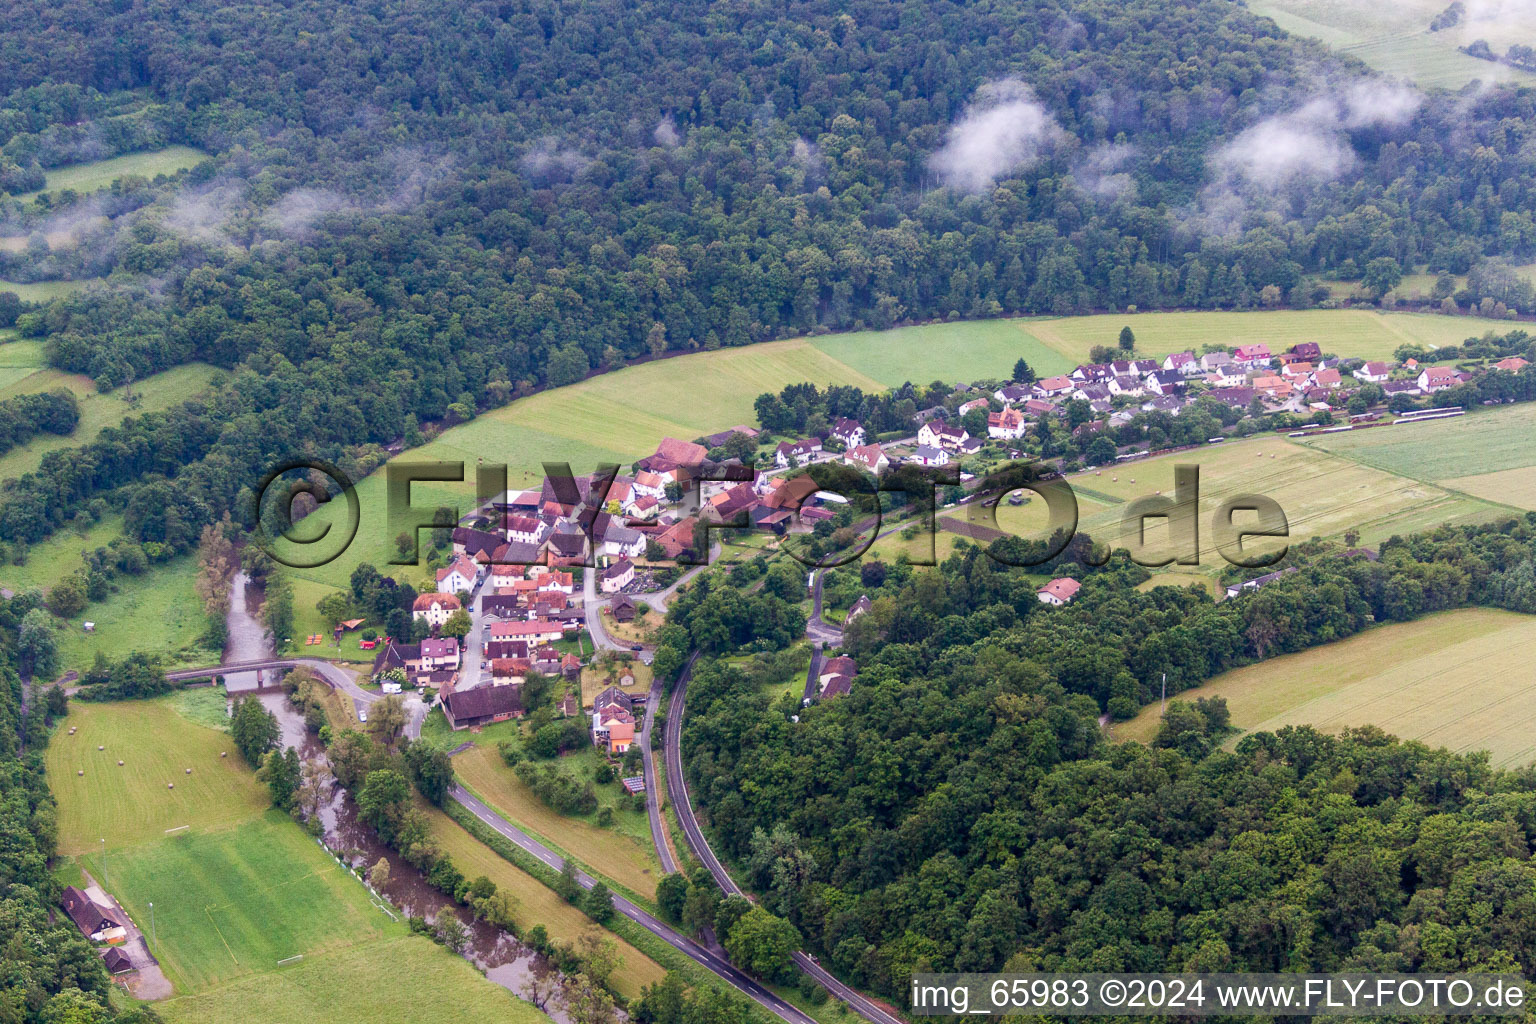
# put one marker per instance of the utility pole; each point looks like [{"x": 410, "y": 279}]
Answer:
[
  {"x": 152, "y": 935},
  {"x": 1164, "y": 712},
  {"x": 104, "y": 880}
]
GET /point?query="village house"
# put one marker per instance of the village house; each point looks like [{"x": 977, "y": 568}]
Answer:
[
  {"x": 849, "y": 432},
  {"x": 1094, "y": 392},
  {"x": 613, "y": 720},
  {"x": 1129, "y": 386},
  {"x": 858, "y": 608},
  {"x": 1036, "y": 407},
  {"x": 1373, "y": 372},
  {"x": 718, "y": 439},
  {"x": 1091, "y": 372},
  {"x": 532, "y": 632},
  {"x": 1393, "y": 388},
  {"x": 1212, "y": 361},
  {"x": 1513, "y": 364},
  {"x": 1011, "y": 393},
  {"x": 618, "y": 575},
  {"x": 1274, "y": 387},
  {"x": 1255, "y": 356},
  {"x": 1295, "y": 370},
  {"x": 1308, "y": 350},
  {"x": 836, "y": 675},
  {"x": 470, "y": 543},
  {"x": 798, "y": 451},
  {"x": 927, "y": 455},
  {"x": 93, "y": 914},
  {"x": 978, "y": 404},
  {"x": 1059, "y": 591},
  {"x": 648, "y": 485},
  {"x": 642, "y": 507},
  {"x": 678, "y": 537},
  {"x": 1053, "y": 386},
  {"x": 482, "y": 705},
  {"x": 1184, "y": 363},
  {"x": 524, "y": 529},
  {"x": 621, "y": 540},
  {"x": 1008, "y": 424},
  {"x": 938, "y": 434},
  {"x": 869, "y": 457},
  {"x": 1327, "y": 378},
  {"x": 1437, "y": 378},
  {"x": 435, "y": 608},
  {"x": 1165, "y": 382},
  {"x": 509, "y": 671},
  {"x": 440, "y": 654},
  {"x": 116, "y": 961},
  {"x": 462, "y": 576}
]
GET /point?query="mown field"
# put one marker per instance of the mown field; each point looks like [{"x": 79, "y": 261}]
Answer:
[
  {"x": 537, "y": 903},
  {"x": 44, "y": 291},
  {"x": 99, "y": 174},
  {"x": 1395, "y": 38},
  {"x": 624, "y": 858},
  {"x": 1456, "y": 452},
  {"x": 1458, "y": 680},
  {"x": 131, "y": 804},
  {"x": 403, "y": 978},
  {"x": 243, "y": 886},
  {"x": 97, "y": 411}
]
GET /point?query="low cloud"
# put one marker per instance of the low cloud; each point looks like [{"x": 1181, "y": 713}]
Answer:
[
  {"x": 549, "y": 160},
  {"x": 666, "y": 133},
  {"x": 1102, "y": 170},
  {"x": 1005, "y": 129}
]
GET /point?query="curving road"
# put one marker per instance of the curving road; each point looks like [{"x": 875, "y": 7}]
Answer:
[
  {"x": 709, "y": 959},
  {"x": 336, "y": 677},
  {"x": 677, "y": 790}
]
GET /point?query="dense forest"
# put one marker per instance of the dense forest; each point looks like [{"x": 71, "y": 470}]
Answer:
[
  {"x": 413, "y": 212},
  {"x": 960, "y": 811}
]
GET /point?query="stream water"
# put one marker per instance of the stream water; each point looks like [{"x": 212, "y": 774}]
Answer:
[{"x": 504, "y": 959}]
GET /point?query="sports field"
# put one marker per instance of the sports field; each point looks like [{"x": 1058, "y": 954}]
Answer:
[
  {"x": 1395, "y": 38},
  {"x": 1457, "y": 679},
  {"x": 623, "y": 858},
  {"x": 132, "y": 804},
  {"x": 235, "y": 900}
]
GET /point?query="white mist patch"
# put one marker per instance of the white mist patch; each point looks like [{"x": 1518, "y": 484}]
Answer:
[
  {"x": 1102, "y": 170},
  {"x": 1005, "y": 129},
  {"x": 666, "y": 133},
  {"x": 549, "y": 159}
]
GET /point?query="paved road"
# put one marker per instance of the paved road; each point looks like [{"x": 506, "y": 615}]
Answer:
[
  {"x": 337, "y": 677},
  {"x": 677, "y": 791},
  {"x": 658, "y": 599},
  {"x": 709, "y": 959},
  {"x": 818, "y": 629}
]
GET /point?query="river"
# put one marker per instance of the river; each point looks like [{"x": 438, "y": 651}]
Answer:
[{"x": 504, "y": 959}]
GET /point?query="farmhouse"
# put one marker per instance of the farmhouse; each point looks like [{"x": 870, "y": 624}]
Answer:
[
  {"x": 718, "y": 439},
  {"x": 474, "y": 542},
  {"x": 482, "y": 705},
  {"x": 524, "y": 529},
  {"x": 858, "y": 608},
  {"x": 93, "y": 915},
  {"x": 729, "y": 504},
  {"x": 1059, "y": 591},
  {"x": 435, "y": 608},
  {"x": 613, "y": 720}
]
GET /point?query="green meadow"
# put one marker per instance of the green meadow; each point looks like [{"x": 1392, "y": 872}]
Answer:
[{"x": 99, "y": 174}]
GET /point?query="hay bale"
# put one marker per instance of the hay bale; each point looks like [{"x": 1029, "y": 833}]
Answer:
[
  {"x": 170, "y": 785},
  {"x": 119, "y": 764},
  {"x": 80, "y": 773},
  {"x": 100, "y": 746},
  {"x": 189, "y": 771}
]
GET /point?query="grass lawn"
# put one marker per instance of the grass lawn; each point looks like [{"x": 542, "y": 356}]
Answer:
[
  {"x": 1173, "y": 578},
  {"x": 98, "y": 174},
  {"x": 959, "y": 351},
  {"x": 44, "y": 291},
  {"x": 536, "y": 902},
  {"x": 1358, "y": 333},
  {"x": 595, "y": 679},
  {"x": 157, "y": 613},
  {"x": 624, "y": 856},
  {"x": 131, "y": 804},
  {"x": 1457, "y": 679},
  {"x": 401, "y": 978},
  {"x": 1395, "y": 38},
  {"x": 1484, "y": 441},
  {"x": 1322, "y": 494},
  {"x": 307, "y": 620},
  {"x": 638, "y": 630},
  {"x": 97, "y": 411}
]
